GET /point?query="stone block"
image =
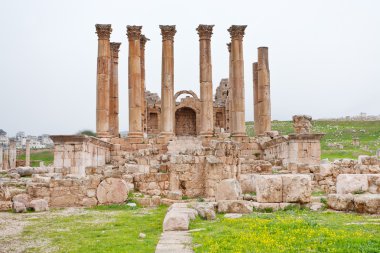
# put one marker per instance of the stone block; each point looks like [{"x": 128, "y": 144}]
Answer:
[
  {"x": 235, "y": 206},
  {"x": 228, "y": 189},
  {"x": 112, "y": 190},
  {"x": 351, "y": 183},
  {"x": 269, "y": 188},
  {"x": 176, "y": 221},
  {"x": 367, "y": 203},
  {"x": 296, "y": 188},
  {"x": 248, "y": 183},
  {"x": 39, "y": 205},
  {"x": 19, "y": 207},
  {"x": 5, "y": 205},
  {"x": 266, "y": 206},
  {"x": 341, "y": 202}
]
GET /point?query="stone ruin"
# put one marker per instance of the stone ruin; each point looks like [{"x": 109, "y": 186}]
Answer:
[{"x": 193, "y": 148}]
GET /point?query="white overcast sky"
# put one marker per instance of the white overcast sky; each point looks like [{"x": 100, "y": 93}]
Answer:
[{"x": 324, "y": 55}]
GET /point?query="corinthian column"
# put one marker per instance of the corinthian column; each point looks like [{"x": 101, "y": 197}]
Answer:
[
  {"x": 114, "y": 90},
  {"x": 263, "y": 91},
  {"x": 143, "y": 41},
  {"x": 134, "y": 82},
  {"x": 238, "y": 98},
  {"x": 230, "y": 91},
  {"x": 207, "y": 115},
  {"x": 167, "y": 80},
  {"x": 103, "y": 80}
]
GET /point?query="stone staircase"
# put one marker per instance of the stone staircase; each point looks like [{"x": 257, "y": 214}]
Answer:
[{"x": 184, "y": 145}]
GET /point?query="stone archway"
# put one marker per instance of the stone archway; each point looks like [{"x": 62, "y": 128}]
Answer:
[{"x": 185, "y": 122}]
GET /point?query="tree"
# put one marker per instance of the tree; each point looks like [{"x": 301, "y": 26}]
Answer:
[{"x": 86, "y": 132}]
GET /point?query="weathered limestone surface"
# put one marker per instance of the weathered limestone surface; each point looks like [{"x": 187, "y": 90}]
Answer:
[
  {"x": 269, "y": 188},
  {"x": 341, "y": 202},
  {"x": 178, "y": 217},
  {"x": 296, "y": 188},
  {"x": 207, "y": 119},
  {"x": 302, "y": 124},
  {"x": 39, "y": 205},
  {"x": 368, "y": 203},
  {"x": 351, "y": 183},
  {"x": 134, "y": 82},
  {"x": 112, "y": 190},
  {"x": 103, "y": 80},
  {"x": 235, "y": 206},
  {"x": 248, "y": 183},
  {"x": 228, "y": 189},
  {"x": 167, "y": 81}
]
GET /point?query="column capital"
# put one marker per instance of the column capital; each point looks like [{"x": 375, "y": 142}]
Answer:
[
  {"x": 229, "y": 47},
  {"x": 134, "y": 32},
  {"x": 237, "y": 31},
  {"x": 103, "y": 31},
  {"x": 168, "y": 32},
  {"x": 205, "y": 31},
  {"x": 115, "y": 49},
  {"x": 143, "y": 40}
]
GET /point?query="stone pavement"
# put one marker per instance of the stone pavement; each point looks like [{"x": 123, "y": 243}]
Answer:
[{"x": 174, "y": 242}]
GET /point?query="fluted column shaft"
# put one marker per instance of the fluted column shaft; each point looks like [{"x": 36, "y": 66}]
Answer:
[
  {"x": 134, "y": 82},
  {"x": 143, "y": 41},
  {"x": 238, "y": 97},
  {"x": 27, "y": 153},
  {"x": 263, "y": 91},
  {"x": 6, "y": 159},
  {"x": 167, "y": 80},
  {"x": 103, "y": 80},
  {"x": 205, "y": 76},
  {"x": 114, "y": 90}
]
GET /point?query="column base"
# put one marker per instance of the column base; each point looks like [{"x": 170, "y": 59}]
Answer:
[
  {"x": 240, "y": 137},
  {"x": 135, "y": 137},
  {"x": 206, "y": 134}
]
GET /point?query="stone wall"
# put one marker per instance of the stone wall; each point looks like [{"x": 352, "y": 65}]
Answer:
[{"x": 78, "y": 152}]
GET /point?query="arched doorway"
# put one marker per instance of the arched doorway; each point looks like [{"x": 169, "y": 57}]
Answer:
[{"x": 185, "y": 122}]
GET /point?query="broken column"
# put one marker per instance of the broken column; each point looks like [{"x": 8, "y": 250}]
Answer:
[
  {"x": 263, "y": 117},
  {"x": 237, "y": 81},
  {"x": 205, "y": 67},
  {"x": 167, "y": 80},
  {"x": 134, "y": 82},
  {"x": 103, "y": 80},
  {"x": 114, "y": 90},
  {"x": 27, "y": 153},
  {"x": 6, "y": 159},
  {"x": 143, "y": 41},
  {"x": 12, "y": 154}
]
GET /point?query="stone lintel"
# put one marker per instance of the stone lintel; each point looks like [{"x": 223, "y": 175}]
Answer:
[
  {"x": 314, "y": 136},
  {"x": 67, "y": 139},
  {"x": 168, "y": 32},
  {"x": 205, "y": 31},
  {"x": 237, "y": 31},
  {"x": 103, "y": 31},
  {"x": 134, "y": 32}
]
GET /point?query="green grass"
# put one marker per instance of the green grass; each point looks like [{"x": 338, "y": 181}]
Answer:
[
  {"x": 47, "y": 156},
  {"x": 288, "y": 231},
  {"x": 113, "y": 228},
  {"x": 341, "y": 132}
]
